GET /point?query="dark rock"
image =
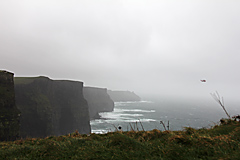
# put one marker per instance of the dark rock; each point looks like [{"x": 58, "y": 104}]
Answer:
[
  {"x": 123, "y": 96},
  {"x": 9, "y": 114},
  {"x": 51, "y": 107},
  {"x": 98, "y": 101}
]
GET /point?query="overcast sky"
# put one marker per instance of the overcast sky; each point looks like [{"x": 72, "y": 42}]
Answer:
[{"x": 160, "y": 47}]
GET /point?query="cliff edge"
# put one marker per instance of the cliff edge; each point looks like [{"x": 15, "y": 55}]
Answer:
[
  {"x": 123, "y": 96},
  {"x": 51, "y": 107},
  {"x": 98, "y": 101}
]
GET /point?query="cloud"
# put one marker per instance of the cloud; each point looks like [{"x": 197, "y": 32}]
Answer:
[{"x": 152, "y": 47}]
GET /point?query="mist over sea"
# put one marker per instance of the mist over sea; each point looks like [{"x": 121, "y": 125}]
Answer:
[{"x": 180, "y": 113}]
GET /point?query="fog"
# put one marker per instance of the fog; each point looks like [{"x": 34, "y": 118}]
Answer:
[{"x": 152, "y": 47}]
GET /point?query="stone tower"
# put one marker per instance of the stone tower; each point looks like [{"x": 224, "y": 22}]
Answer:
[{"x": 9, "y": 114}]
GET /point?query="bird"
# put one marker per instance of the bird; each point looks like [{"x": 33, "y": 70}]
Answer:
[{"x": 203, "y": 80}]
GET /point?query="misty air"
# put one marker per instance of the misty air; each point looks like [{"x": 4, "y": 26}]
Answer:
[{"x": 122, "y": 79}]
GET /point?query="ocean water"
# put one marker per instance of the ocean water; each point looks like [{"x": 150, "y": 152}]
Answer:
[{"x": 148, "y": 114}]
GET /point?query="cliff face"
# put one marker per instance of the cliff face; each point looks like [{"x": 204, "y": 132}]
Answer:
[
  {"x": 123, "y": 96},
  {"x": 98, "y": 101},
  {"x": 51, "y": 107},
  {"x": 9, "y": 114}
]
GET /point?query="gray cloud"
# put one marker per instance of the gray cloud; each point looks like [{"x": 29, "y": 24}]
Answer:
[{"x": 151, "y": 47}]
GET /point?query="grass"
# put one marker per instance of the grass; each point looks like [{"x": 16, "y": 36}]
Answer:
[{"x": 220, "y": 142}]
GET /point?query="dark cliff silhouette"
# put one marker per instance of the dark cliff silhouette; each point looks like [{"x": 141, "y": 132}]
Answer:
[
  {"x": 123, "y": 96},
  {"x": 98, "y": 101},
  {"x": 51, "y": 107},
  {"x": 9, "y": 114}
]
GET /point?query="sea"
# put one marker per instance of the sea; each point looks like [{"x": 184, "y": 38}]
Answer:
[{"x": 162, "y": 115}]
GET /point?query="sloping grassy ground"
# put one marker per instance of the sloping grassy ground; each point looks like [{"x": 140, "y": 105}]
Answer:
[{"x": 219, "y": 142}]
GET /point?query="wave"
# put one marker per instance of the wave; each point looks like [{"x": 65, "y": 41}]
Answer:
[
  {"x": 99, "y": 131},
  {"x": 109, "y": 115},
  {"x": 120, "y": 110},
  {"x": 127, "y": 102},
  {"x": 96, "y": 121},
  {"x": 132, "y": 115},
  {"x": 137, "y": 110},
  {"x": 128, "y": 120},
  {"x": 143, "y": 120},
  {"x": 123, "y": 114}
]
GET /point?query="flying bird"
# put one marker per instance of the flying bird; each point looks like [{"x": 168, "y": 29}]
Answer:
[{"x": 203, "y": 80}]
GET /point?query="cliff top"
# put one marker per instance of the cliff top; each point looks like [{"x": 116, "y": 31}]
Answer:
[
  {"x": 118, "y": 96},
  {"x": 94, "y": 88},
  {"x": 3, "y": 72},
  {"x": 27, "y": 80}
]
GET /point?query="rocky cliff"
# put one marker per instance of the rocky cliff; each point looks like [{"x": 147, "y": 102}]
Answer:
[
  {"x": 9, "y": 114},
  {"x": 98, "y": 101},
  {"x": 123, "y": 96},
  {"x": 51, "y": 107}
]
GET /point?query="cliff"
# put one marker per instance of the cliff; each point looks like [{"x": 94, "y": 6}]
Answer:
[
  {"x": 51, "y": 107},
  {"x": 123, "y": 96},
  {"x": 98, "y": 101},
  {"x": 9, "y": 114}
]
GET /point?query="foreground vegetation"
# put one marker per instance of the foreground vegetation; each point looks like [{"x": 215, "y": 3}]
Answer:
[{"x": 220, "y": 142}]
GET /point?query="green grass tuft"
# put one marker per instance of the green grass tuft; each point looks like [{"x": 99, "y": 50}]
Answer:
[{"x": 220, "y": 142}]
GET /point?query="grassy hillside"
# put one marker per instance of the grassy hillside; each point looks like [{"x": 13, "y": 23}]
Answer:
[{"x": 219, "y": 142}]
